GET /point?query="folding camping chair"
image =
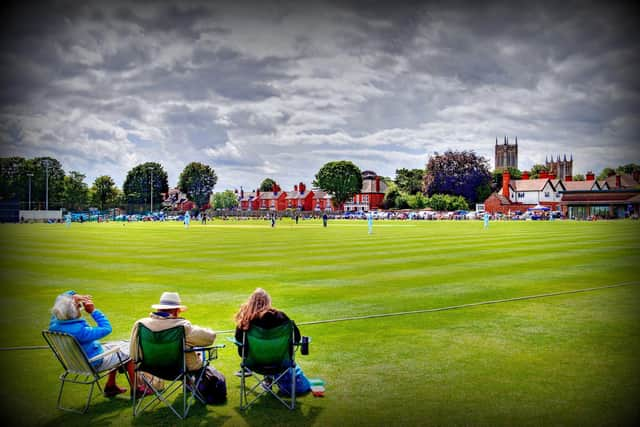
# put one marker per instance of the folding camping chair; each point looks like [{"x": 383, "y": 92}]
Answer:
[
  {"x": 269, "y": 354},
  {"x": 78, "y": 369},
  {"x": 163, "y": 354}
]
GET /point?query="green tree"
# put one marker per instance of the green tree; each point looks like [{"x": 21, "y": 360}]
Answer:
[
  {"x": 14, "y": 181},
  {"x": 606, "y": 173},
  {"x": 104, "y": 193},
  {"x": 536, "y": 169},
  {"x": 438, "y": 202},
  {"x": 267, "y": 185},
  {"x": 417, "y": 201},
  {"x": 45, "y": 171},
  {"x": 75, "y": 191},
  {"x": 391, "y": 196},
  {"x": 578, "y": 177},
  {"x": 197, "y": 181},
  {"x": 48, "y": 178},
  {"x": 225, "y": 200},
  {"x": 447, "y": 202},
  {"x": 342, "y": 179},
  {"x": 403, "y": 201},
  {"x": 629, "y": 168},
  {"x": 496, "y": 178},
  {"x": 137, "y": 186},
  {"x": 409, "y": 180}
]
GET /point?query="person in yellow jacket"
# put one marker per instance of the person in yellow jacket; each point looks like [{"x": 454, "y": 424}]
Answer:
[{"x": 165, "y": 316}]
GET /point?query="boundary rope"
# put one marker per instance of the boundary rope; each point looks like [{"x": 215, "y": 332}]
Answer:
[{"x": 405, "y": 313}]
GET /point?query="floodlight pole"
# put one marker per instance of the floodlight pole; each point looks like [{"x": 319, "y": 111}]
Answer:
[
  {"x": 46, "y": 163},
  {"x": 151, "y": 190},
  {"x": 29, "y": 175}
]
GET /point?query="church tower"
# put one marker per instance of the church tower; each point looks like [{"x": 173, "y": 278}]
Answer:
[
  {"x": 561, "y": 168},
  {"x": 506, "y": 155}
]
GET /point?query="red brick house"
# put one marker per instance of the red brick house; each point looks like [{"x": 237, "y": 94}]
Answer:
[
  {"x": 522, "y": 194},
  {"x": 370, "y": 196},
  {"x": 300, "y": 198},
  {"x": 322, "y": 201}
]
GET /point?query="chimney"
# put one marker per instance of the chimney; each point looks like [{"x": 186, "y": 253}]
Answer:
[
  {"x": 506, "y": 179},
  {"x": 525, "y": 175},
  {"x": 295, "y": 187},
  {"x": 618, "y": 183},
  {"x": 590, "y": 176},
  {"x": 302, "y": 187},
  {"x": 257, "y": 193},
  {"x": 568, "y": 178},
  {"x": 377, "y": 184},
  {"x": 544, "y": 174}
]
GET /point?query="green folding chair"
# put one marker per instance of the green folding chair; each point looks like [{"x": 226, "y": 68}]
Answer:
[
  {"x": 78, "y": 368},
  {"x": 162, "y": 354},
  {"x": 269, "y": 354}
]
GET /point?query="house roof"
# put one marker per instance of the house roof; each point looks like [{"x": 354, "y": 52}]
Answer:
[
  {"x": 530, "y": 184},
  {"x": 600, "y": 197},
  {"x": 298, "y": 195},
  {"x": 581, "y": 185},
  {"x": 248, "y": 196},
  {"x": 268, "y": 195},
  {"x": 319, "y": 194},
  {"x": 626, "y": 181}
]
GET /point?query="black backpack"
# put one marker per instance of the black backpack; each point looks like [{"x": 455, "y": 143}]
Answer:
[{"x": 213, "y": 386}]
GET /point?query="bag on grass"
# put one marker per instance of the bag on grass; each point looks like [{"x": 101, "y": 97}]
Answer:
[
  {"x": 302, "y": 383},
  {"x": 213, "y": 386},
  {"x": 157, "y": 383}
]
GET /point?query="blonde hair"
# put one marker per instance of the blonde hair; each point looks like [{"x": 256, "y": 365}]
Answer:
[
  {"x": 65, "y": 308},
  {"x": 257, "y": 305}
]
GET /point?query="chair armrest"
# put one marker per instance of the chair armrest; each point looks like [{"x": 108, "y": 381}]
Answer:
[
  {"x": 208, "y": 352},
  {"x": 235, "y": 341},
  {"x": 103, "y": 354},
  {"x": 209, "y": 347}
]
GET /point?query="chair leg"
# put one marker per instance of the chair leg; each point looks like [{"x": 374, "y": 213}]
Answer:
[
  {"x": 292, "y": 372},
  {"x": 63, "y": 381}
]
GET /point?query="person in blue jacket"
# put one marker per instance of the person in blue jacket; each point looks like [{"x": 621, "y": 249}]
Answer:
[{"x": 67, "y": 317}]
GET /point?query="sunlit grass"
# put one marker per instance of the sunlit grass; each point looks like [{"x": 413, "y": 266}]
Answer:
[{"x": 570, "y": 359}]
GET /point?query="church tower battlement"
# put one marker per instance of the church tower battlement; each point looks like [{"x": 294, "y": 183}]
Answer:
[
  {"x": 561, "y": 168},
  {"x": 506, "y": 155}
]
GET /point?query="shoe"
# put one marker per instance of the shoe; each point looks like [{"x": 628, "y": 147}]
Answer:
[
  {"x": 247, "y": 373},
  {"x": 113, "y": 391},
  {"x": 143, "y": 391}
]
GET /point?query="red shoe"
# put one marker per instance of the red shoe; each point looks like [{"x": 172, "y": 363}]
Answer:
[
  {"x": 143, "y": 391},
  {"x": 112, "y": 391}
]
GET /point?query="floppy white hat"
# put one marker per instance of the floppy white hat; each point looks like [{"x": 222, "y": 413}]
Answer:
[{"x": 169, "y": 301}]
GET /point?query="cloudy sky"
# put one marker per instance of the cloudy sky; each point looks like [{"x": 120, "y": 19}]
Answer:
[{"x": 277, "y": 89}]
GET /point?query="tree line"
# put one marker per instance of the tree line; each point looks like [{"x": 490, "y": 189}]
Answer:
[
  {"x": 42, "y": 181},
  {"x": 452, "y": 180}
]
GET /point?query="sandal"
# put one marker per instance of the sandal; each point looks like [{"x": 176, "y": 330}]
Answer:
[{"x": 112, "y": 391}]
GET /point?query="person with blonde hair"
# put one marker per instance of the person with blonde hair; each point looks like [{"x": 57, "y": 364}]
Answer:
[{"x": 258, "y": 311}]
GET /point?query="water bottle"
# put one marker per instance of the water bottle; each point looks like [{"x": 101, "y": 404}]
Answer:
[{"x": 304, "y": 348}]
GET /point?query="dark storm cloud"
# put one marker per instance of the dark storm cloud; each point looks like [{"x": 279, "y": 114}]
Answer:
[{"x": 254, "y": 87}]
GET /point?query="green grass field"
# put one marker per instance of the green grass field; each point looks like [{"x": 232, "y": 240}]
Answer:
[{"x": 571, "y": 359}]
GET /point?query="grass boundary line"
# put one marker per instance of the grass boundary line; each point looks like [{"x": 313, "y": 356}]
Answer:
[{"x": 405, "y": 313}]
